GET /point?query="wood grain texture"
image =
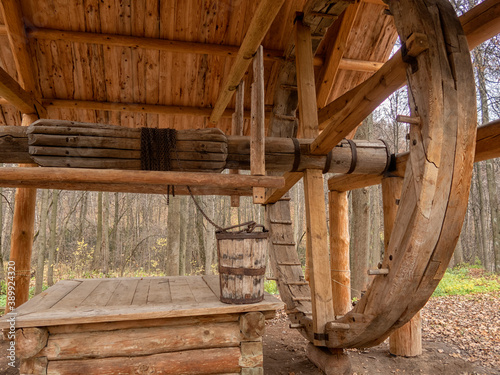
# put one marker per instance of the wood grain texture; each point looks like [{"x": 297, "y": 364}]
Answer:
[
  {"x": 102, "y": 301},
  {"x": 437, "y": 178}
]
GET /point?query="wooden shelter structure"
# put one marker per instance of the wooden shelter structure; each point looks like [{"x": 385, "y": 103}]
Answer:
[{"x": 95, "y": 72}]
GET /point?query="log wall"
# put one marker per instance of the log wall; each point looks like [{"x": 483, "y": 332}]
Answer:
[{"x": 222, "y": 344}]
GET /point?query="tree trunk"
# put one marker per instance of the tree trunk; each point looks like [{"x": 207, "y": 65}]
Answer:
[
  {"x": 105, "y": 233},
  {"x": 52, "y": 240},
  {"x": 482, "y": 216},
  {"x": 114, "y": 232},
  {"x": 42, "y": 244},
  {"x": 495, "y": 215},
  {"x": 173, "y": 236},
  {"x": 83, "y": 214},
  {"x": 360, "y": 234},
  {"x": 184, "y": 229},
  {"x": 210, "y": 244},
  {"x": 97, "y": 261}
]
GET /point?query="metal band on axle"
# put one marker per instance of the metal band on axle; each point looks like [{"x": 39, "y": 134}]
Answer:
[
  {"x": 354, "y": 154},
  {"x": 296, "y": 160}
]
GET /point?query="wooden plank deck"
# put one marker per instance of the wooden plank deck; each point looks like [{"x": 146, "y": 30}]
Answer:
[{"x": 83, "y": 301}]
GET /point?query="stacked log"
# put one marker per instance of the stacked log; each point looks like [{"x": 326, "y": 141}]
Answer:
[{"x": 54, "y": 143}]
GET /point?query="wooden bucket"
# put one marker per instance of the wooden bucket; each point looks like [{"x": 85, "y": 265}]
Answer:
[{"x": 242, "y": 264}]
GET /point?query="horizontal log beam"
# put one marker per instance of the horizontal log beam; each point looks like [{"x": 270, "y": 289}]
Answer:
[
  {"x": 171, "y": 110},
  {"x": 487, "y": 147},
  {"x": 14, "y": 94},
  {"x": 66, "y": 178},
  {"x": 360, "y": 65},
  {"x": 344, "y": 114}
]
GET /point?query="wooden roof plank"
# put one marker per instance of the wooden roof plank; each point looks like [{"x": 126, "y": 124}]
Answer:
[{"x": 261, "y": 22}]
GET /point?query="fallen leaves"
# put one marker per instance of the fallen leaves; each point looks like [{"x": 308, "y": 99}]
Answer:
[{"x": 470, "y": 323}]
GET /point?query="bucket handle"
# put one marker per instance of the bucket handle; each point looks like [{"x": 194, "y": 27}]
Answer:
[{"x": 250, "y": 227}]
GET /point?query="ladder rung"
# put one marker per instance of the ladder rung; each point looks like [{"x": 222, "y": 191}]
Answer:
[
  {"x": 289, "y": 264},
  {"x": 289, "y": 87},
  {"x": 285, "y": 117},
  {"x": 277, "y": 243},
  {"x": 284, "y": 222},
  {"x": 284, "y": 199},
  {"x": 272, "y": 278},
  {"x": 301, "y": 298},
  {"x": 297, "y": 283}
]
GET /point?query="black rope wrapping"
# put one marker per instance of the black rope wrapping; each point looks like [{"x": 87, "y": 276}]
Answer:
[{"x": 156, "y": 147}]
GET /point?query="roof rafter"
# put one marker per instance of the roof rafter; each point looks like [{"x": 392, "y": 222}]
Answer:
[
  {"x": 14, "y": 94},
  {"x": 259, "y": 26},
  {"x": 334, "y": 55}
]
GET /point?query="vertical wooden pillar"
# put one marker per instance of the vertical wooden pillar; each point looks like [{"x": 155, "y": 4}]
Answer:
[
  {"x": 237, "y": 128},
  {"x": 407, "y": 340},
  {"x": 23, "y": 225},
  {"x": 24, "y": 210},
  {"x": 317, "y": 255},
  {"x": 257, "y": 129},
  {"x": 339, "y": 252}
]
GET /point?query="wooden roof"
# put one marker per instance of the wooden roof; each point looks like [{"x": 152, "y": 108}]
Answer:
[{"x": 175, "y": 69}]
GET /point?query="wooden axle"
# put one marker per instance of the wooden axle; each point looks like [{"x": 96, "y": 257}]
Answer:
[{"x": 54, "y": 143}]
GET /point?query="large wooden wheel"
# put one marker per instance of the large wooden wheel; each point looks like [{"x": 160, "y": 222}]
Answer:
[{"x": 436, "y": 184}]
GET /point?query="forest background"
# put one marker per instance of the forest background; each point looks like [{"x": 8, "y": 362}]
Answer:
[{"x": 92, "y": 234}]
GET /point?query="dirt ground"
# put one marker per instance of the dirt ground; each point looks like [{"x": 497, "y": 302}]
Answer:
[
  {"x": 284, "y": 354},
  {"x": 461, "y": 336}
]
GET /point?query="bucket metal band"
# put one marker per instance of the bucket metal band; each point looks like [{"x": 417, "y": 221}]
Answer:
[
  {"x": 242, "y": 271},
  {"x": 241, "y": 301}
]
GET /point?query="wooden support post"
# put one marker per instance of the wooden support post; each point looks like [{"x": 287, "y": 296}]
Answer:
[
  {"x": 258, "y": 127},
  {"x": 237, "y": 129},
  {"x": 407, "y": 340},
  {"x": 317, "y": 234},
  {"x": 339, "y": 252},
  {"x": 23, "y": 221},
  {"x": 23, "y": 226},
  {"x": 317, "y": 253}
]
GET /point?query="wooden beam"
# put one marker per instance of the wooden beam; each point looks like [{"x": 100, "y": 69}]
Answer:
[
  {"x": 23, "y": 226},
  {"x": 360, "y": 65},
  {"x": 33, "y": 176},
  {"x": 237, "y": 123},
  {"x": 407, "y": 340},
  {"x": 342, "y": 115},
  {"x": 487, "y": 147},
  {"x": 16, "y": 31},
  {"x": 291, "y": 178},
  {"x": 258, "y": 126},
  {"x": 171, "y": 110},
  {"x": 317, "y": 253},
  {"x": 23, "y": 221},
  {"x": 166, "y": 45},
  {"x": 334, "y": 55},
  {"x": 481, "y": 22},
  {"x": 308, "y": 126},
  {"x": 488, "y": 141},
  {"x": 260, "y": 24},
  {"x": 339, "y": 252},
  {"x": 14, "y": 94}
]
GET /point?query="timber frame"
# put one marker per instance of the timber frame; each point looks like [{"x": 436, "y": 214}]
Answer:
[{"x": 312, "y": 77}]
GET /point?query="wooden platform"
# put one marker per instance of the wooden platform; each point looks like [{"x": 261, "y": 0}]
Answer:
[{"x": 153, "y": 325}]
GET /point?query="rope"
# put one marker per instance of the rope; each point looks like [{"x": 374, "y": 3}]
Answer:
[{"x": 348, "y": 287}]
